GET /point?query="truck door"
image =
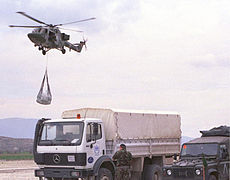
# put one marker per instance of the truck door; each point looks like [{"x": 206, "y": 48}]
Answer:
[
  {"x": 95, "y": 143},
  {"x": 224, "y": 163}
]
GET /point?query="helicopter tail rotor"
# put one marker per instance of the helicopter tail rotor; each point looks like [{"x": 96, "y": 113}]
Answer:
[
  {"x": 84, "y": 42},
  {"x": 79, "y": 46}
]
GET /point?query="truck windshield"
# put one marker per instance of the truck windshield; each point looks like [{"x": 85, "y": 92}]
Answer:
[
  {"x": 62, "y": 134},
  {"x": 199, "y": 150}
]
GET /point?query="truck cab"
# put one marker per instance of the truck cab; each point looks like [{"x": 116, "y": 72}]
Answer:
[
  {"x": 206, "y": 158},
  {"x": 70, "y": 148}
]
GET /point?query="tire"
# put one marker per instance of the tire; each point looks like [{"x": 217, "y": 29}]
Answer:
[
  {"x": 104, "y": 174},
  {"x": 63, "y": 51},
  {"x": 212, "y": 177},
  {"x": 62, "y": 178},
  {"x": 152, "y": 172}
]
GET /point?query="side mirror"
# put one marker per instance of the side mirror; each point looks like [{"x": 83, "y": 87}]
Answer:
[
  {"x": 175, "y": 157},
  {"x": 223, "y": 152},
  {"x": 224, "y": 155}
]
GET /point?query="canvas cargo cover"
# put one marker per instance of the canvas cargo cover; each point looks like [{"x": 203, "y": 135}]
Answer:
[
  {"x": 120, "y": 124},
  {"x": 217, "y": 131}
]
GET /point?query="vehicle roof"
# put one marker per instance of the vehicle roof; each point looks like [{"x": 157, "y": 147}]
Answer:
[
  {"x": 73, "y": 120},
  {"x": 210, "y": 139},
  {"x": 128, "y": 111},
  {"x": 144, "y": 111}
]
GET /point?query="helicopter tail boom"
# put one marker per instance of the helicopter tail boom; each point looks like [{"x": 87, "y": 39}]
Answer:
[{"x": 76, "y": 47}]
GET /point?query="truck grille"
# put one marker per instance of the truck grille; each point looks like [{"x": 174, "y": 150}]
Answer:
[
  {"x": 78, "y": 159},
  {"x": 183, "y": 172}
]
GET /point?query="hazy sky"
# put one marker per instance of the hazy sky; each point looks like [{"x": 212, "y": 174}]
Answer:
[{"x": 169, "y": 55}]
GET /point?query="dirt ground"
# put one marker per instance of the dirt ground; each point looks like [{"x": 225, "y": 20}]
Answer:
[{"x": 17, "y": 170}]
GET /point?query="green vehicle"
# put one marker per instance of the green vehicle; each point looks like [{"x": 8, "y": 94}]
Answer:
[{"x": 204, "y": 158}]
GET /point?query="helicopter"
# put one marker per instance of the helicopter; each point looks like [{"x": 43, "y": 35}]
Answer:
[{"x": 49, "y": 36}]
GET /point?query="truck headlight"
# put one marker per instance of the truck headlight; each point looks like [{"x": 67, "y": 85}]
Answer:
[
  {"x": 39, "y": 173},
  {"x": 75, "y": 173},
  {"x": 198, "y": 172},
  {"x": 169, "y": 172}
]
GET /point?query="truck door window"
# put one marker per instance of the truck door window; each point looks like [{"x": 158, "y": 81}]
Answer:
[{"x": 91, "y": 134}]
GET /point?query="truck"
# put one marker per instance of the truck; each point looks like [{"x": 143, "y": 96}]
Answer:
[
  {"x": 204, "y": 158},
  {"x": 81, "y": 144}
]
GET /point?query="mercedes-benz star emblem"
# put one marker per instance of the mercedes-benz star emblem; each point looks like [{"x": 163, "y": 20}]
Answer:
[{"x": 56, "y": 158}]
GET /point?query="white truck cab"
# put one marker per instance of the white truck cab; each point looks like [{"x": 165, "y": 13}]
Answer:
[{"x": 73, "y": 143}]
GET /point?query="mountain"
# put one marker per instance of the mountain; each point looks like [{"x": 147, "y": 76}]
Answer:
[{"x": 17, "y": 127}]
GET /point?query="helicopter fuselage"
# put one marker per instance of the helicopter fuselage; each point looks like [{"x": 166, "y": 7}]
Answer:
[{"x": 47, "y": 38}]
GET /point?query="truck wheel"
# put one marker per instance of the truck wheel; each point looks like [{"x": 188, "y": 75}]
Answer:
[
  {"x": 212, "y": 177},
  {"x": 152, "y": 172},
  {"x": 104, "y": 174}
]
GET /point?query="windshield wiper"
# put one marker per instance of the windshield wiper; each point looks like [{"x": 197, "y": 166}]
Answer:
[
  {"x": 46, "y": 142},
  {"x": 188, "y": 155},
  {"x": 205, "y": 155},
  {"x": 62, "y": 141}
]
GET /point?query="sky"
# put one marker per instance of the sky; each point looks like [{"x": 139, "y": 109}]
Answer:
[{"x": 168, "y": 55}]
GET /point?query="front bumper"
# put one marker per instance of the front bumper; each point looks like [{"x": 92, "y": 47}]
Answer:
[
  {"x": 181, "y": 174},
  {"x": 181, "y": 178},
  {"x": 63, "y": 173}
]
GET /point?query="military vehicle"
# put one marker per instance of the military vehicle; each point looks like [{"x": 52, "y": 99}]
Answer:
[
  {"x": 204, "y": 158},
  {"x": 82, "y": 143}
]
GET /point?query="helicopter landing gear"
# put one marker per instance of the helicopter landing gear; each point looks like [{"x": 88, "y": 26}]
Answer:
[
  {"x": 63, "y": 51},
  {"x": 43, "y": 52},
  {"x": 40, "y": 48}
]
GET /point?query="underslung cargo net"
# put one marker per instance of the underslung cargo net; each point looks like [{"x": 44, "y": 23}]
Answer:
[{"x": 44, "y": 96}]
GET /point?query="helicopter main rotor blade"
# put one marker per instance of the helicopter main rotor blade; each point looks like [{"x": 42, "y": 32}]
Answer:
[
  {"x": 25, "y": 26},
  {"x": 26, "y": 15},
  {"x": 72, "y": 30},
  {"x": 76, "y": 21}
]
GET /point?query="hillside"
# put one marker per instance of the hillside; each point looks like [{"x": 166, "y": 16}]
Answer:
[{"x": 15, "y": 145}]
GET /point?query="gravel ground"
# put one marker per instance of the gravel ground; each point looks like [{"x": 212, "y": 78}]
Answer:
[{"x": 16, "y": 170}]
